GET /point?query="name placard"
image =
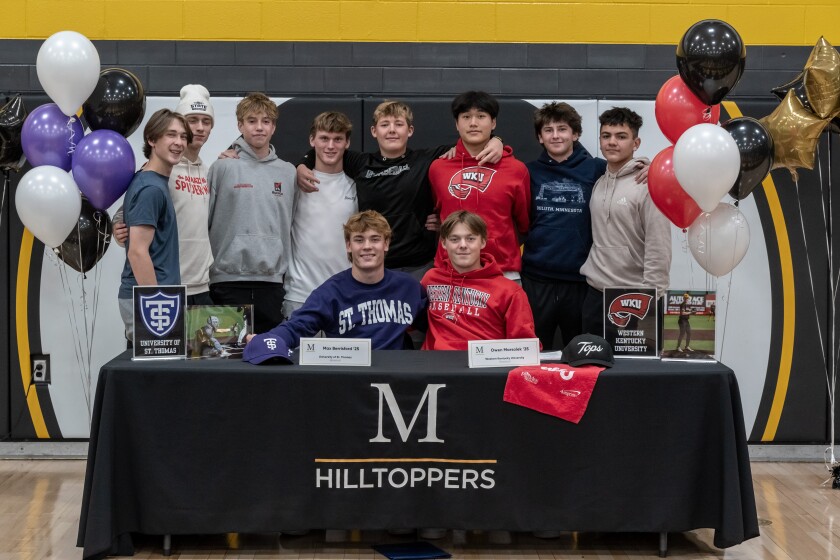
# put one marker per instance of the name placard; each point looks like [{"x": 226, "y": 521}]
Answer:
[
  {"x": 334, "y": 352},
  {"x": 503, "y": 353}
]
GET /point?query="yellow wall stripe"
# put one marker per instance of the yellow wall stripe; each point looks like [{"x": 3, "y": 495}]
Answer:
[
  {"x": 663, "y": 22},
  {"x": 788, "y": 298},
  {"x": 788, "y": 313},
  {"x": 22, "y": 328}
]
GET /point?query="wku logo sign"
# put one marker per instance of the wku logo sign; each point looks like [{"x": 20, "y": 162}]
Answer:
[
  {"x": 475, "y": 177},
  {"x": 626, "y": 306}
]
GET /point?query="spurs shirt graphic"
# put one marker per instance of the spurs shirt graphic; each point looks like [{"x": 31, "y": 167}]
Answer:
[{"x": 190, "y": 195}]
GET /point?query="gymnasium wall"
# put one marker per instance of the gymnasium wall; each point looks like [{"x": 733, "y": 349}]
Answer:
[{"x": 348, "y": 54}]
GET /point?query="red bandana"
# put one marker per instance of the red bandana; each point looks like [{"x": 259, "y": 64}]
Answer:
[{"x": 556, "y": 389}]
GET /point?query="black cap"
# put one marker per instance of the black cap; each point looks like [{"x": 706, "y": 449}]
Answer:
[{"x": 586, "y": 349}]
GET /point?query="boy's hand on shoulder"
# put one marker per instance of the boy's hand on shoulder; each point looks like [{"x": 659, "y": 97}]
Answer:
[
  {"x": 120, "y": 233},
  {"x": 492, "y": 152},
  {"x": 433, "y": 222},
  {"x": 306, "y": 180},
  {"x": 642, "y": 175},
  {"x": 450, "y": 153}
]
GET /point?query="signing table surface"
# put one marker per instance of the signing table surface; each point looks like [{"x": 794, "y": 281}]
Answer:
[{"x": 415, "y": 440}]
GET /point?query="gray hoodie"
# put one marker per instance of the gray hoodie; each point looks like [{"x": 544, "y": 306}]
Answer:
[
  {"x": 631, "y": 238},
  {"x": 250, "y": 216}
]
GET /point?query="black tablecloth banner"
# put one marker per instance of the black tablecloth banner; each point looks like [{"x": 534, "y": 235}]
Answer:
[{"x": 416, "y": 440}]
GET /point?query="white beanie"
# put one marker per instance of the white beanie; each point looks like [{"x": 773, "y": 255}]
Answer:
[{"x": 195, "y": 100}]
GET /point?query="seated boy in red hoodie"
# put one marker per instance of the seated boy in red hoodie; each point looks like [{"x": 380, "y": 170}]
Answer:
[{"x": 469, "y": 297}]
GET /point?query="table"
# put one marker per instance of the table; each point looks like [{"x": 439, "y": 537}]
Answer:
[{"x": 415, "y": 440}]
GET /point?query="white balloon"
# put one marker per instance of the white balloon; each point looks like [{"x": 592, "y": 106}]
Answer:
[
  {"x": 719, "y": 240},
  {"x": 49, "y": 203},
  {"x": 706, "y": 164},
  {"x": 68, "y": 69}
]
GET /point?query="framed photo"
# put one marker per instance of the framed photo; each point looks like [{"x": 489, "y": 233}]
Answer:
[
  {"x": 689, "y": 329},
  {"x": 218, "y": 331}
]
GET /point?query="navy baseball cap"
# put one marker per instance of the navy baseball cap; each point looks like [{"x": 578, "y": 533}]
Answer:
[
  {"x": 264, "y": 347},
  {"x": 587, "y": 349}
]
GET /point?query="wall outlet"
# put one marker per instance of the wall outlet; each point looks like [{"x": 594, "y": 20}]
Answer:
[{"x": 40, "y": 369}]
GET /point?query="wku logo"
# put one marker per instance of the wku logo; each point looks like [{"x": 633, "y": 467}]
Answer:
[
  {"x": 475, "y": 177},
  {"x": 628, "y": 305}
]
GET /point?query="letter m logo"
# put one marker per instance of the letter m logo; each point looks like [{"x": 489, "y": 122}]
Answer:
[{"x": 429, "y": 399}]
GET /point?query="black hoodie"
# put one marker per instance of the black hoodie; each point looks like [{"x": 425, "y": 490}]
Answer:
[{"x": 398, "y": 188}]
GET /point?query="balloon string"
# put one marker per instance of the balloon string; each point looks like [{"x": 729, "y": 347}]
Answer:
[
  {"x": 832, "y": 308},
  {"x": 71, "y": 317},
  {"x": 88, "y": 342},
  {"x": 84, "y": 343},
  {"x": 726, "y": 312},
  {"x": 810, "y": 273},
  {"x": 88, "y": 345},
  {"x": 101, "y": 247},
  {"x": 830, "y": 357},
  {"x": 71, "y": 145},
  {"x": 6, "y": 182}
]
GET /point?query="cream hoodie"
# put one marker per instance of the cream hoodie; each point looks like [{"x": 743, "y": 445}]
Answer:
[
  {"x": 191, "y": 197},
  {"x": 631, "y": 238}
]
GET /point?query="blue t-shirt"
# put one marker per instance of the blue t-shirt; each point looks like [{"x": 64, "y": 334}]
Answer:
[{"x": 147, "y": 203}]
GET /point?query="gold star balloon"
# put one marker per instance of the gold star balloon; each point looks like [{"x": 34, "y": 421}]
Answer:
[
  {"x": 795, "y": 132},
  {"x": 822, "y": 79}
]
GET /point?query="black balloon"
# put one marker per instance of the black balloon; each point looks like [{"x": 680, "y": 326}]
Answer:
[
  {"x": 12, "y": 116},
  {"x": 118, "y": 103},
  {"x": 88, "y": 241},
  {"x": 710, "y": 59},
  {"x": 798, "y": 88},
  {"x": 756, "y": 147}
]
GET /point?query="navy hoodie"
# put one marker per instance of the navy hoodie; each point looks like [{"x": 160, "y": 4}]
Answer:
[{"x": 560, "y": 235}]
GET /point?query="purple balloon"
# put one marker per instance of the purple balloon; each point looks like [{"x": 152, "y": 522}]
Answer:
[
  {"x": 103, "y": 166},
  {"x": 49, "y": 137}
]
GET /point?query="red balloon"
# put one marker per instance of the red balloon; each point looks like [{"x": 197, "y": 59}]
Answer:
[
  {"x": 667, "y": 193},
  {"x": 678, "y": 109}
]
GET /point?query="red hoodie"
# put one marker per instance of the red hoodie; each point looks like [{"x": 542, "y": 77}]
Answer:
[
  {"x": 500, "y": 193},
  {"x": 479, "y": 305}
]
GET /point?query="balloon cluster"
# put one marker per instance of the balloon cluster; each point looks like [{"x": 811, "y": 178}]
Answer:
[
  {"x": 707, "y": 161},
  {"x": 810, "y": 104},
  {"x": 65, "y": 211}
]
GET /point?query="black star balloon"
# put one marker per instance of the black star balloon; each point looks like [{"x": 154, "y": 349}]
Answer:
[{"x": 12, "y": 116}]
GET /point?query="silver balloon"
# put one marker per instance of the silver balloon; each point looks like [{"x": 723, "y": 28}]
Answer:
[
  {"x": 48, "y": 203},
  {"x": 719, "y": 240}
]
